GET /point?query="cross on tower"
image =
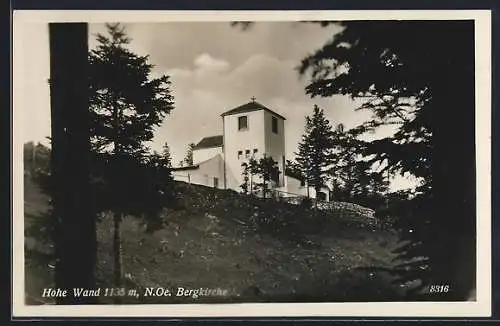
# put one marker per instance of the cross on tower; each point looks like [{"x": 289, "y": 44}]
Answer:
[{"x": 253, "y": 98}]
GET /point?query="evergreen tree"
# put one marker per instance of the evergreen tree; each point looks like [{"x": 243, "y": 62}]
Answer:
[
  {"x": 315, "y": 149},
  {"x": 167, "y": 156},
  {"x": 350, "y": 173},
  {"x": 36, "y": 158},
  {"x": 294, "y": 170},
  {"x": 419, "y": 75},
  {"x": 126, "y": 104},
  {"x": 189, "y": 155}
]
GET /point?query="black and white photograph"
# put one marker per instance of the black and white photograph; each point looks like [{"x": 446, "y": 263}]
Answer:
[{"x": 279, "y": 164}]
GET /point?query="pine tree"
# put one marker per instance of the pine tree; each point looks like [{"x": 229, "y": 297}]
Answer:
[
  {"x": 126, "y": 104},
  {"x": 314, "y": 154},
  {"x": 349, "y": 171},
  {"x": 167, "y": 156},
  {"x": 293, "y": 169},
  {"x": 419, "y": 75}
]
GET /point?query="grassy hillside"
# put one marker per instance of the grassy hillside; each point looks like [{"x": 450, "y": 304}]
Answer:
[{"x": 221, "y": 239}]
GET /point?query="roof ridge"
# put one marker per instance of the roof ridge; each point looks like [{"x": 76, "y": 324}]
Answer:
[{"x": 249, "y": 107}]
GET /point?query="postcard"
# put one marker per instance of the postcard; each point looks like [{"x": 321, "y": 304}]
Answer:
[{"x": 251, "y": 163}]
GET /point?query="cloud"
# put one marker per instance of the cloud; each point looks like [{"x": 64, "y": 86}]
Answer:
[
  {"x": 202, "y": 94},
  {"x": 205, "y": 61},
  {"x": 213, "y": 68}
]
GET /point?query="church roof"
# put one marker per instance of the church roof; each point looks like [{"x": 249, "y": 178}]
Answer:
[
  {"x": 249, "y": 107},
  {"x": 197, "y": 165},
  {"x": 209, "y": 142}
]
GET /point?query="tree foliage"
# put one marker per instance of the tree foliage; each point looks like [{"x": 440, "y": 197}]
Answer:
[
  {"x": 126, "y": 104},
  {"x": 293, "y": 169},
  {"x": 259, "y": 174},
  {"x": 315, "y": 150},
  {"x": 167, "y": 156},
  {"x": 36, "y": 158},
  {"x": 418, "y": 76},
  {"x": 245, "y": 186},
  {"x": 188, "y": 160},
  {"x": 352, "y": 174},
  {"x": 268, "y": 171}
]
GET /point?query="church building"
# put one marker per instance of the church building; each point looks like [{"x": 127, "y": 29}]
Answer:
[{"x": 249, "y": 130}]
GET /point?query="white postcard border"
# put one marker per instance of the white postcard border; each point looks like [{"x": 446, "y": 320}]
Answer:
[{"x": 480, "y": 308}]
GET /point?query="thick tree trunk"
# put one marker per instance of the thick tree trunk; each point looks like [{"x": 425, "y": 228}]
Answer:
[{"x": 75, "y": 238}]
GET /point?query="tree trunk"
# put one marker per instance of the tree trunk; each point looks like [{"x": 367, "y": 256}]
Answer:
[
  {"x": 75, "y": 237},
  {"x": 117, "y": 253},
  {"x": 318, "y": 190},
  {"x": 251, "y": 184},
  {"x": 117, "y": 215}
]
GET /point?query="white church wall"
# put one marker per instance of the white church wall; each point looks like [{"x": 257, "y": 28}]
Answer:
[
  {"x": 275, "y": 142},
  {"x": 209, "y": 173},
  {"x": 203, "y": 154},
  {"x": 293, "y": 188},
  {"x": 241, "y": 140}
]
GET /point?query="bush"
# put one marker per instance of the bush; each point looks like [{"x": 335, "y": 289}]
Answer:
[{"x": 306, "y": 202}]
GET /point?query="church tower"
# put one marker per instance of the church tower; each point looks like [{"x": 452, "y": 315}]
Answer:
[{"x": 251, "y": 130}]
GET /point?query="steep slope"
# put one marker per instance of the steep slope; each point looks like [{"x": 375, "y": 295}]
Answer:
[{"x": 257, "y": 250}]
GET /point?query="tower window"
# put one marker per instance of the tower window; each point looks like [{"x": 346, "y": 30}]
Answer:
[
  {"x": 243, "y": 123},
  {"x": 255, "y": 151},
  {"x": 240, "y": 153},
  {"x": 247, "y": 153},
  {"x": 275, "y": 124}
]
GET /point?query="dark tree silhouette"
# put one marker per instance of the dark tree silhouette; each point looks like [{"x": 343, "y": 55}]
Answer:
[
  {"x": 189, "y": 155},
  {"x": 314, "y": 154},
  {"x": 75, "y": 225},
  {"x": 253, "y": 170},
  {"x": 245, "y": 186},
  {"x": 266, "y": 169},
  {"x": 352, "y": 175},
  {"x": 126, "y": 105},
  {"x": 419, "y": 75}
]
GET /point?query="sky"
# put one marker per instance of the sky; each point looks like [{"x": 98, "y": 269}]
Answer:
[{"x": 213, "y": 68}]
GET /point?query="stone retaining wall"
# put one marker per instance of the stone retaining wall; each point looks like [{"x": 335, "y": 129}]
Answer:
[{"x": 349, "y": 207}]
